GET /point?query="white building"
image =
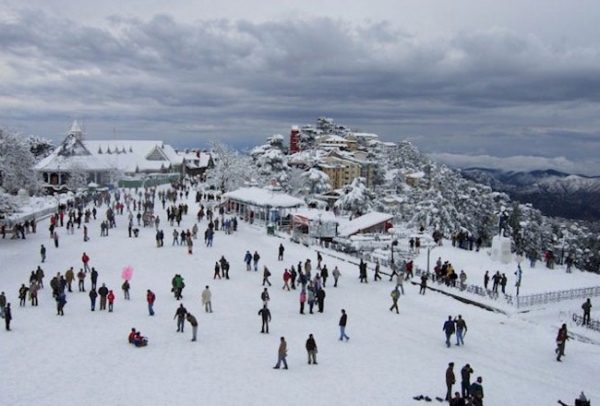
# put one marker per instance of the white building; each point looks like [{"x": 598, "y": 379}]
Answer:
[{"x": 105, "y": 161}]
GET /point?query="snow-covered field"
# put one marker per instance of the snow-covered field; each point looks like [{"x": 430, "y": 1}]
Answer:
[{"x": 84, "y": 357}]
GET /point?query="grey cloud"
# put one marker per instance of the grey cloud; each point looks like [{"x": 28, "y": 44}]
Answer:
[{"x": 159, "y": 77}]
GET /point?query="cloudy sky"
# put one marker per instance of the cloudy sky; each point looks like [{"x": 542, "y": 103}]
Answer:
[{"x": 471, "y": 82}]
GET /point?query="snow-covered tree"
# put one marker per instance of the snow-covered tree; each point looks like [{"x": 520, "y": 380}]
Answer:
[
  {"x": 270, "y": 162},
  {"x": 357, "y": 198},
  {"x": 40, "y": 147},
  {"x": 7, "y": 203},
  {"x": 16, "y": 164},
  {"x": 76, "y": 178},
  {"x": 231, "y": 169},
  {"x": 315, "y": 181}
]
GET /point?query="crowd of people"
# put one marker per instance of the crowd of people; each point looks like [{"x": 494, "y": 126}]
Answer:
[{"x": 307, "y": 281}]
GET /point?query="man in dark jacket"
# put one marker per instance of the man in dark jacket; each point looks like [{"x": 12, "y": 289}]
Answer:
[
  {"x": 7, "y": 316},
  {"x": 342, "y": 324},
  {"x": 465, "y": 379},
  {"x": 265, "y": 314},
  {"x": 94, "y": 277},
  {"x": 321, "y": 299},
  {"x": 450, "y": 380},
  {"x": 448, "y": 328},
  {"x": 311, "y": 348},
  {"x": 93, "y": 295},
  {"x": 476, "y": 392},
  {"x": 103, "y": 292},
  {"x": 587, "y": 308},
  {"x": 180, "y": 314}
]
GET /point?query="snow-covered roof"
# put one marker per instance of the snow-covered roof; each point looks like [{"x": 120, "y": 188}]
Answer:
[
  {"x": 195, "y": 159},
  {"x": 418, "y": 174},
  {"x": 125, "y": 155},
  {"x": 364, "y": 222},
  {"x": 365, "y": 135},
  {"x": 313, "y": 214},
  {"x": 264, "y": 197}
]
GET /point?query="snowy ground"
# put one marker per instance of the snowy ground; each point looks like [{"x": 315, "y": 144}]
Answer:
[{"x": 84, "y": 357}]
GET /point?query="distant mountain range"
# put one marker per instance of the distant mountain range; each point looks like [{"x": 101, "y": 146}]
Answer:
[{"x": 555, "y": 193}]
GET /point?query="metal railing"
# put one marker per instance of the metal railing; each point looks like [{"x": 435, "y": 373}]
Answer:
[
  {"x": 557, "y": 296},
  {"x": 593, "y": 324},
  {"x": 475, "y": 289}
]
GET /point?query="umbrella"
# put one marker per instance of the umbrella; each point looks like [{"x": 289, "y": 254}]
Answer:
[{"x": 127, "y": 273}]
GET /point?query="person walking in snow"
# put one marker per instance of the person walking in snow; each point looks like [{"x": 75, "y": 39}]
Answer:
[
  {"x": 85, "y": 259},
  {"x": 324, "y": 275},
  {"x": 321, "y": 299},
  {"x": 150, "y": 299},
  {"x": 503, "y": 281},
  {"x": 302, "y": 300},
  {"x": 111, "y": 299},
  {"x": 286, "y": 279},
  {"x": 342, "y": 324},
  {"x": 94, "y": 277},
  {"x": 362, "y": 269},
  {"x": 7, "y": 316},
  {"x": 207, "y": 300},
  {"x": 33, "y": 292},
  {"x": 125, "y": 286},
  {"x": 192, "y": 320},
  {"x": 377, "y": 269},
  {"x": 423, "y": 285},
  {"x": 43, "y": 253},
  {"x": 311, "y": 296},
  {"x": 265, "y": 315},
  {"x": 266, "y": 274},
  {"x": 180, "y": 314},
  {"x": 336, "y": 275},
  {"x": 69, "y": 277},
  {"x": 93, "y": 295},
  {"x": 282, "y": 354},
  {"x": 2, "y": 304},
  {"x": 255, "y": 259},
  {"x": 264, "y": 296},
  {"x": 61, "y": 301},
  {"x": 395, "y": 296},
  {"x": 486, "y": 280},
  {"x": 450, "y": 380},
  {"x": 496, "y": 281},
  {"x": 311, "y": 349},
  {"x": 280, "y": 254},
  {"x": 217, "y": 273},
  {"x": 23, "y": 294},
  {"x": 448, "y": 329},
  {"x": 561, "y": 340},
  {"x": 248, "y": 260},
  {"x": 39, "y": 273},
  {"x": 461, "y": 330}
]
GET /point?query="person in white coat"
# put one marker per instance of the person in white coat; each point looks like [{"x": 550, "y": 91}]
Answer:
[{"x": 207, "y": 299}]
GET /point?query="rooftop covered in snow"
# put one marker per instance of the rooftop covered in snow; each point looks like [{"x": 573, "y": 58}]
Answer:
[
  {"x": 364, "y": 222},
  {"x": 263, "y": 198}
]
